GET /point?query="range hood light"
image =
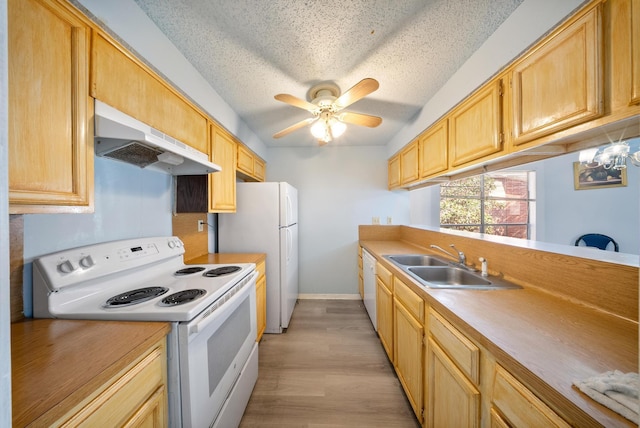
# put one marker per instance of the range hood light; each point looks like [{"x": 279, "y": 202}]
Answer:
[{"x": 170, "y": 158}]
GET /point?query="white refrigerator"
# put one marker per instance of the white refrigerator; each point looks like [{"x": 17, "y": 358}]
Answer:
[{"x": 266, "y": 221}]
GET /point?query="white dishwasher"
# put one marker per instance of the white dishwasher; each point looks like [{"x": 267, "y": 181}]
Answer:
[{"x": 369, "y": 277}]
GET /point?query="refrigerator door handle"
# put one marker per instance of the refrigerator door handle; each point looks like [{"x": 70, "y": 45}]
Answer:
[
  {"x": 289, "y": 210},
  {"x": 289, "y": 244}
]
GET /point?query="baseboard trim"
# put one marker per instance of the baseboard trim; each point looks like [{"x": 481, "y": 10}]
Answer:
[{"x": 330, "y": 296}]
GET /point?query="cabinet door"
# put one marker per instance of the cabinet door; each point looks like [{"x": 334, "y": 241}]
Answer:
[
  {"x": 245, "y": 160},
  {"x": 475, "y": 127},
  {"x": 635, "y": 51},
  {"x": 433, "y": 150},
  {"x": 452, "y": 401},
  {"x": 123, "y": 82},
  {"x": 222, "y": 184},
  {"x": 50, "y": 111},
  {"x": 394, "y": 172},
  {"x": 384, "y": 317},
  {"x": 408, "y": 355},
  {"x": 560, "y": 84},
  {"x": 259, "y": 168},
  {"x": 261, "y": 306},
  {"x": 409, "y": 164}
]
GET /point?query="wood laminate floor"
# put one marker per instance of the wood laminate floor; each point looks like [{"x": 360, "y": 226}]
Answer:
[{"x": 328, "y": 370}]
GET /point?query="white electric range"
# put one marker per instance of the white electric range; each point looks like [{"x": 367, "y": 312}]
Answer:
[{"x": 212, "y": 353}]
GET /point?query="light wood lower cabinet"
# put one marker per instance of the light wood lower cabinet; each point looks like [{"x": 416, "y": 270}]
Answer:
[
  {"x": 222, "y": 185},
  {"x": 452, "y": 376},
  {"x": 452, "y": 399},
  {"x": 384, "y": 316},
  {"x": 516, "y": 406},
  {"x": 261, "y": 299},
  {"x": 50, "y": 112},
  {"x": 136, "y": 397},
  {"x": 408, "y": 336}
]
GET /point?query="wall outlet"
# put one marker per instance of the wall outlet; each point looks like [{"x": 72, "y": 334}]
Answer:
[
  {"x": 375, "y": 220},
  {"x": 389, "y": 220},
  {"x": 200, "y": 225}
]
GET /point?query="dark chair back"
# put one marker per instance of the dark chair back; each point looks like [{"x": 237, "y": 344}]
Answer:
[{"x": 597, "y": 240}]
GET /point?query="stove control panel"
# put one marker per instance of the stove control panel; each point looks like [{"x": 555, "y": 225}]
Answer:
[{"x": 94, "y": 262}]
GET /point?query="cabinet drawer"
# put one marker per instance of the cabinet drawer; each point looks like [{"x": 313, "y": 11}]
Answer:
[
  {"x": 385, "y": 276},
  {"x": 461, "y": 350},
  {"x": 412, "y": 302},
  {"x": 139, "y": 388},
  {"x": 519, "y": 406}
]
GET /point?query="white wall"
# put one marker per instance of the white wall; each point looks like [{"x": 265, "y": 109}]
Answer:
[
  {"x": 129, "y": 203},
  {"x": 339, "y": 188}
]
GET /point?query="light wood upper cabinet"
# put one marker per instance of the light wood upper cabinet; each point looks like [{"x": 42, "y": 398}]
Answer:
[
  {"x": 393, "y": 171},
  {"x": 249, "y": 166},
  {"x": 409, "y": 163},
  {"x": 635, "y": 51},
  {"x": 124, "y": 82},
  {"x": 222, "y": 184},
  {"x": 475, "y": 126},
  {"x": 434, "y": 150},
  {"x": 50, "y": 111},
  {"x": 559, "y": 84}
]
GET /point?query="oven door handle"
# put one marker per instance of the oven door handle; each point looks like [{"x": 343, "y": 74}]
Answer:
[{"x": 207, "y": 318}]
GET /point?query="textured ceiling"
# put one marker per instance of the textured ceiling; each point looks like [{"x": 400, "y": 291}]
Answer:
[{"x": 251, "y": 50}]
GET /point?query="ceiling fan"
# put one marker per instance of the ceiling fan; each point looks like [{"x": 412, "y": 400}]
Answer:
[{"x": 327, "y": 104}]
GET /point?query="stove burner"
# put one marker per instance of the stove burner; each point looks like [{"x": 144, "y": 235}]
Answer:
[
  {"x": 189, "y": 270},
  {"x": 225, "y": 270},
  {"x": 133, "y": 297},
  {"x": 181, "y": 297}
]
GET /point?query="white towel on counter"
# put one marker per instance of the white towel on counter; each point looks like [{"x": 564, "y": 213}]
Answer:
[{"x": 616, "y": 390}]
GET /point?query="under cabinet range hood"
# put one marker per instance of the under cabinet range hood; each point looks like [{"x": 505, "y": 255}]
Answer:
[{"x": 124, "y": 138}]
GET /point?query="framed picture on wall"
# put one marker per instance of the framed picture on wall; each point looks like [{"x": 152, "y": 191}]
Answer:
[{"x": 586, "y": 177}]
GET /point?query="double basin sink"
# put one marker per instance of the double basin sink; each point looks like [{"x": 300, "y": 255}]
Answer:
[{"x": 433, "y": 272}]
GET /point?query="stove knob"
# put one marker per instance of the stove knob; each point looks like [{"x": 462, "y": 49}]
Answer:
[
  {"x": 67, "y": 267},
  {"x": 172, "y": 244},
  {"x": 87, "y": 262}
]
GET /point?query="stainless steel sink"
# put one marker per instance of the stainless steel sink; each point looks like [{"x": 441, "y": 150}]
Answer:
[
  {"x": 448, "y": 276},
  {"x": 433, "y": 272},
  {"x": 416, "y": 260}
]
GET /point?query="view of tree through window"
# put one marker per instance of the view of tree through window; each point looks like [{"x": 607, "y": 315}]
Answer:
[{"x": 498, "y": 203}]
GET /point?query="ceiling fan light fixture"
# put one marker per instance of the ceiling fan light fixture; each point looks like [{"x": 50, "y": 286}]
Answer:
[{"x": 327, "y": 129}]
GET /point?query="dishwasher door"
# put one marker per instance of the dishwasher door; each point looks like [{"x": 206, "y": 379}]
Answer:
[{"x": 369, "y": 277}]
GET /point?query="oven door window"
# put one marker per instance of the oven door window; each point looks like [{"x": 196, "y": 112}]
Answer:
[{"x": 211, "y": 358}]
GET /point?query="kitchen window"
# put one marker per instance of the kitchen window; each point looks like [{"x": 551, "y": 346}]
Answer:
[{"x": 497, "y": 203}]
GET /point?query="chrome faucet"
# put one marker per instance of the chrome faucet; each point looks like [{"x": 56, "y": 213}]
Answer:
[{"x": 462, "y": 259}]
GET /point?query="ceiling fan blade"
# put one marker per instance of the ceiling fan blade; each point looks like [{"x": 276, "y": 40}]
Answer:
[
  {"x": 360, "y": 119},
  {"x": 294, "y": 127},
  {"x": 296, "y": 102},
  {"x": 357, "y": 92}
]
